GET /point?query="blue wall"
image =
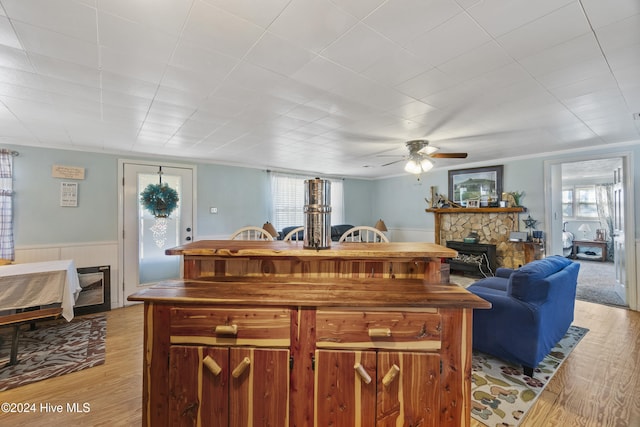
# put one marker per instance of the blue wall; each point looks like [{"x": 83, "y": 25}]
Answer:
[{"x": 241, "y": 195}]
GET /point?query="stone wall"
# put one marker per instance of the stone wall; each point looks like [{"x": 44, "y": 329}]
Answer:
[{"x": 493, "y": 228}]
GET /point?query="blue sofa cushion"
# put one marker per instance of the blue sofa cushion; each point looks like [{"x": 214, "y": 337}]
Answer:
[{"x": 527, "y": 283}]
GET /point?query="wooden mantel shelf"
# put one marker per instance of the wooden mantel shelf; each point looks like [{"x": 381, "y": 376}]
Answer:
[{"x": 475, "y": 210}]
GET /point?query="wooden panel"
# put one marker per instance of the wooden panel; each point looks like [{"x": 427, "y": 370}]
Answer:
[
  {"x": 198, "y": 397},
  {"x": 257, "y": 327},
  {"x": 259, "y": 396},
  {"x": 303, "y": 338},
  {"x": 342, "y": 398},
  {"x": 351, "y": 329},
  {"x": 412, "y": 397},
  {"x": 455, "y": 379},
  {"x": 155, "y": 395}
]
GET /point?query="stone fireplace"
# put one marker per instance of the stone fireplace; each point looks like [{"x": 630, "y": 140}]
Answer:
[{"x": 493, "y": 226}]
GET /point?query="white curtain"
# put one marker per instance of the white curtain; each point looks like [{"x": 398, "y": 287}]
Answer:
[
  {"x": 287, "y": 192},
  {"x": 604, "y": 203},
  {"x": 6, "y": 205}
]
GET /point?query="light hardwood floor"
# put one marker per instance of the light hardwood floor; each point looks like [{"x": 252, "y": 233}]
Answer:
[{"x": 597, "y": 386}]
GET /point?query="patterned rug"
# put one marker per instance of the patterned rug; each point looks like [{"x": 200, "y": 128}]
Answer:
[
  {"x": 53, "y": 349},
  {"x": 501, "y": 395}
]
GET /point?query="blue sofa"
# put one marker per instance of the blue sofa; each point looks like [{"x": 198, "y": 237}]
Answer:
[
  {"x": 336, "y": 232},
  {"x": 532, "y": 309}
]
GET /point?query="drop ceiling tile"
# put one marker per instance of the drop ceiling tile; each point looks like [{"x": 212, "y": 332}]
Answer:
[
  {"x": 620, "y": 35},
  {"x": 132, "y": 39},
  {"x": 170, "y": 109},
  {"x": 66, "y": 71},
  {"x": 485, "y": 58},
  {"x": 359, "y": 8},
  {"x": 23, "y": 92},
  {"x": 624, "y": 57},
  {"x": 7, "y": 35},
  {"x": 563, "y": 55},
  {"x": 427, "y": 83},
  {"x": 131, "y": 66},
  {"x": 392, "y": 19},
  {"x": 194, "y": 58},
  {"x": 57, "y": 45},
  {"x": 359, "y": 48},
  {"x": 166, "y": 16},
  {"x": 116, "y": 82},
  {"x": 279, "y": 55},
  {"x": 555, "y": 28},
  {"x": 21, "y": 78},
  {"x": 396, "y": 67},
  {"x": 312, "y": 24},
  {"x": 458, "y": 35},
  {"x": 11, "y": 58},
  {"x": 196, "y": 83},
  {"x": 498, "y": 17},
  {"x": 261, "y": 13},
  {"x": 322, "y": 73},
  {"x": 215, "y": 29},
  {"x": 369, "y": 93},
  {"x": 70, "y": 18},
  {"x": 606, "y": 13},
  {"x": 575, "y": 73},
  {"x": 603, "y": 82}
]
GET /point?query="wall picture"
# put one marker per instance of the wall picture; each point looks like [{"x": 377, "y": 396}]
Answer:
[{"x": 475, "y": 184}]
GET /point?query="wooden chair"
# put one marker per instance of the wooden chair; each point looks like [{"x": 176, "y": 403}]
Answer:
[
  {"x": 363, "y": 233},
  {"x": 293, "y": 234},
  {"x": 251, "y": 233}
]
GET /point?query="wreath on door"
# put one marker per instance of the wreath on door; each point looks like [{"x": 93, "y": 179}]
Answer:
[{"x": 159, "y": 199}]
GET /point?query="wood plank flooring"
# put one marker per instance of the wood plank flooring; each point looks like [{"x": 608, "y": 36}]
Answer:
[{"x": 597, "y": 386}]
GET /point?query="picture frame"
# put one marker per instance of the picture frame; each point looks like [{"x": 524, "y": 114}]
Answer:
[
  {"x": 473, "y": 203},
  {"x": 475, "y": 184},
  {"x": 95, "y": 294}
]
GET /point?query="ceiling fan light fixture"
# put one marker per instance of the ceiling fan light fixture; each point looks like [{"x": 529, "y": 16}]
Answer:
[
  {"x": 426, "y": 164},
  {"x": 413, "y": 166}
]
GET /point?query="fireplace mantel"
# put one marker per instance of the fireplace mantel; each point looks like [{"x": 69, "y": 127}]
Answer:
[{"x": 476, "y": 210}]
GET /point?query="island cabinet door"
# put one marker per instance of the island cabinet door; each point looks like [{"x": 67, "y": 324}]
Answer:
[
  {"x": 345, "y": 388},
  {"x": 366, "y": 388},
  {"x": 259, "y": 387},
  {"x": 219, "y": 386},
  {"x": 198, "y": 386},
  {"x": 408, "y": 389}
]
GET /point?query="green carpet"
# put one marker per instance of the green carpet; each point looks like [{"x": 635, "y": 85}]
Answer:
[{"x": 501, "y": 394}]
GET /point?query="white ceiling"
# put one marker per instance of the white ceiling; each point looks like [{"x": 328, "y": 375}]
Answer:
[{"x": 323, "y": 86}]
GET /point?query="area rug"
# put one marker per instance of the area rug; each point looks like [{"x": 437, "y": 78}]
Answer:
[
  {"x": 53, "y": 349},
  {"x": 501, "y": 394}
]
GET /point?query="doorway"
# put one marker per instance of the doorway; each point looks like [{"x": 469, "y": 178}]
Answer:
[
  {"x": 145, "y": 235},
  {"x": 586, "y": 211}
]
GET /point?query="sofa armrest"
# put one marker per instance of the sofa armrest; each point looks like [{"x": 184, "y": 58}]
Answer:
[{"x": 504, "y": 272}]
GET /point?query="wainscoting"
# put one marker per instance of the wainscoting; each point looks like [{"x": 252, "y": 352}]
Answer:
[{"x": 84, "y": 255}]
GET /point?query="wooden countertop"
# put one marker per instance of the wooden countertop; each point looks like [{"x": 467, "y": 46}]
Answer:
[
  {"x": 279, "y": 248},
  {"x": 374, "y": 293}
]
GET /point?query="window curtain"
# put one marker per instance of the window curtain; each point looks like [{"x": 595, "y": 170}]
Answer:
[
  {"x": 604, "y": 203},
  {"x": 6, "y": 205},
  {"x": 287, "y": 192}
]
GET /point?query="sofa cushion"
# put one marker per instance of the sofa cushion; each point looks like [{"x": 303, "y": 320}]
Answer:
[{"x": 527, "y": 283}]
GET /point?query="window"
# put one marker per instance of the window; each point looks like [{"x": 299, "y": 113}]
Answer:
[
  {"x": 6, "y": 204},
  {"x": 287, "y": 193},
  {"x": 579, "y": 202}
]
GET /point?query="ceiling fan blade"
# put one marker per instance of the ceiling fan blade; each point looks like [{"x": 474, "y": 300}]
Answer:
[
  {"x": 448, "y": 155},
  {"x": 391, "y": 163}
]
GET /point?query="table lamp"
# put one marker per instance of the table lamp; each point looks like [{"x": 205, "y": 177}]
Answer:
[
  {"x": 584, "y": 228},
  {"x": 270, "y": 229}
]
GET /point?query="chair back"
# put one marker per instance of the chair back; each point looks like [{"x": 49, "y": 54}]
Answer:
[
  {"x": 363, "y": 233},
  {"x": 251, "y": 233},
  {"x": 295, "y": 234}
]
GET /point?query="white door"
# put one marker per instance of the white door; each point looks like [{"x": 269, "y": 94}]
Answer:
[
  {"x": 146, "y": 237},
  {"x": 619, "y": 252}
]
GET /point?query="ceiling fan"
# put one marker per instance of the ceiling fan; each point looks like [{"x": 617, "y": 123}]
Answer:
[{"x": 419, "y": 153}]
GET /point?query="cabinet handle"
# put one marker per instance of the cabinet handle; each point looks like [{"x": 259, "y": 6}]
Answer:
[
  {"x": 362, "y": 372},
  {"x": 379, "y": 332},
  {"x": 391, "y": 375},
  {"x": 227, "y": 329},
  {"x": 244, "y": 364},
  {"x": 212, "y": 365}
]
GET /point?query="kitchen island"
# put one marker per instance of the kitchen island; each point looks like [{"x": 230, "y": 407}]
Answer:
[{"x": 270, "y": 333}]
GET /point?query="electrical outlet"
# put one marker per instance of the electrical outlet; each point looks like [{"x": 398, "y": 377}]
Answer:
[{"x": 213, "y": 210}]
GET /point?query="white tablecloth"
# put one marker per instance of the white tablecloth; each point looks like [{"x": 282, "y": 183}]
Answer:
[{"x": 39, "y": 283}]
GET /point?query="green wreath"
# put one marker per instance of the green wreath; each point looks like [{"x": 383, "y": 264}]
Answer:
[{"x": 159, "y": 199}]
